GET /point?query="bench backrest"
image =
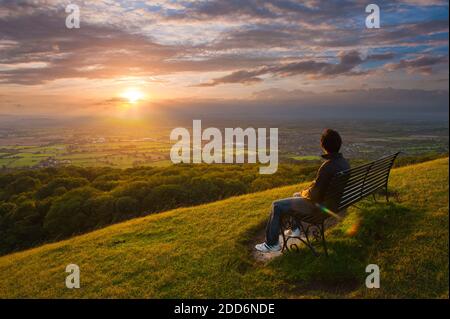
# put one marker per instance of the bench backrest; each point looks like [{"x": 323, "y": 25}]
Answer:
[{"x": 350, "y": 186}]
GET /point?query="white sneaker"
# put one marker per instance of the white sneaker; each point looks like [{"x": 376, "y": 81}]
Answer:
[
  {"x": 264, "y": 248},
  {"x": 292, "y": 232}
]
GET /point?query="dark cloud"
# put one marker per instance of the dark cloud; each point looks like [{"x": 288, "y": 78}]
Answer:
[
  {"x": 208, "y": 9},
  {"x": 348, "y": 61},
  {"x": 408, "y": 31},
  {"x": 421, "y": 64},
  {"x": 259, "y": 36},
  {"x": 272, "y": 9},
  {"x": 306, "y": 36}
]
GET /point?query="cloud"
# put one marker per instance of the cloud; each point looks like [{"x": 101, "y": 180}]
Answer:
[
  {"x": 38, "y": 48},
  {"x": 42, "y": 49},
  {"x": 112, "y": 101},
  {"x": 312, "y": 37},
  {"x": 249, "y": 39},
  {"x": 348, "y": 61},
  {"x": 268, "y": 9},
  {"x": 422, "y": 64},
  {"x": 426, "y": 2}
]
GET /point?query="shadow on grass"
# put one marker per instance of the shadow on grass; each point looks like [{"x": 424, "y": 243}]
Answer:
[{"x": 351, "y": 243}]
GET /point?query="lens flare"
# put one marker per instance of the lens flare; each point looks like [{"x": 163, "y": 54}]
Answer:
[
  {"x": 353, "y": 230},
  {"x": 328, "y": 211}
]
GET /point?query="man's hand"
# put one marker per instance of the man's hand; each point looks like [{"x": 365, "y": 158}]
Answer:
[{"x": 304, "y": 193}]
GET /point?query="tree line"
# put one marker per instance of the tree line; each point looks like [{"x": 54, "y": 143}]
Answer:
[{"x": 51, "y": 204}]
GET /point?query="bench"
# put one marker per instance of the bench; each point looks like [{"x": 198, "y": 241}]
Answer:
[{"x": 345, "y": 189}]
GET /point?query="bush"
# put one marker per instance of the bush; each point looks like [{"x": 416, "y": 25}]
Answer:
[
  {"x": 165, "y": 196},
  {"x": 24, "y": 184},
  {"x": 125, "y": 207},
  {"x": 103, "y": 210},
  {"x": 67, "y": 182},
  {"x": 69, "y": 214}
]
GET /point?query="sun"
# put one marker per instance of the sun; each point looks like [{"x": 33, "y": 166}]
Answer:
[{"x": 132, "y": 95}]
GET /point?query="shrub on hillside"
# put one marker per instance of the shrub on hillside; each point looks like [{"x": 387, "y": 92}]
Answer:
[
  {"x": 70, "y": 213},
  {"x": 67, "y": 182}
]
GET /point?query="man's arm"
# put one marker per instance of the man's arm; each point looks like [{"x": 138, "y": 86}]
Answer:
[{"x": 317, "y": 189}]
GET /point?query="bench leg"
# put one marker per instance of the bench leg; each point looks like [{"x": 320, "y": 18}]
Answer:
[
  {"x": 374, "y": 197},
  {"x": 288, "y": 223},
  {"x": 324, "y": 242},
  {"x": 285, "y": 241},
  {"x": 387, "y": 193},
  {"x": 307, "y": 242}
]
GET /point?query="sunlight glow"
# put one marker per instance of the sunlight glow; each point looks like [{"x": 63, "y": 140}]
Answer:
[{"x": 132, "y": 95}]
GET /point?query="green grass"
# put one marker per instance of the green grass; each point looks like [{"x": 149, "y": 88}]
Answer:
[
  {"x": 205, "y": 251},
  {"x": 306, "y": 158}
]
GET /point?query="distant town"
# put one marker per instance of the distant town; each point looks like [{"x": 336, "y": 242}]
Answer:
[{"x": 41, "y": 147}]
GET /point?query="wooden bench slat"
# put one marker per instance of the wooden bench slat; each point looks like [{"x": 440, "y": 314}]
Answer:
[
  {"x": 348, "y": 181},
  {"x": 376, "y": 175},
  {"x": 373, "y": 188},
  {"x": 350, "y": 201},
  {"x": 378, "y": 181},
  {"x": 350, "y": 196},
  {"x": 383, "y": 159},
  {"x": 350, "y": 186},
  {"x": 364, "y": 191},
  {"x": 355, "y": 189},
  {"x": 359, "y": 192},
  {"x": 377, "y": 165},
  {"x": 352, "y": 179}
]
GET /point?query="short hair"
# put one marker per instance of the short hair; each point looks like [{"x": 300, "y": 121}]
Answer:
[{"x": 331, "y": 141}]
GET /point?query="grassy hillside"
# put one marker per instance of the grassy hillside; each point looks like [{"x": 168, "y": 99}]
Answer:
[{"x": 205, "y": 251}]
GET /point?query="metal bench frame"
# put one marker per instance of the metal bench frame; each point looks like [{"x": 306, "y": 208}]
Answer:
[{"x": 345, "y": 189}]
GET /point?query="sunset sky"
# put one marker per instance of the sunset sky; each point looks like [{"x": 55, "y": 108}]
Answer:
[{"x": 155, "y": 54}]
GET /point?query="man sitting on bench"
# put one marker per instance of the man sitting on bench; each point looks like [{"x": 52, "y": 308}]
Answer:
[{"x": 303, "y": 203}]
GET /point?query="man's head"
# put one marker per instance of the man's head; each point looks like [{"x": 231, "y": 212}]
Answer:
[{"x": 331, "y": 141}]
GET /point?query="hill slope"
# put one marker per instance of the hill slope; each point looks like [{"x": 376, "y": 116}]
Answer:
[{"x": 204, "y": 251}]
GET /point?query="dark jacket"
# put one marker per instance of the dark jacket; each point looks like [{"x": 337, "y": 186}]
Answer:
[{"x": 334, "y": 164}]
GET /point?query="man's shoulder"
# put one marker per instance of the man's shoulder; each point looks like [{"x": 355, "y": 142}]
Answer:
[
  {"x": 327, "y": 166},
  {"x": 337, "y": 164},
  {"x": 334, "y": 163},
  {"x": 343, "y": 165}
]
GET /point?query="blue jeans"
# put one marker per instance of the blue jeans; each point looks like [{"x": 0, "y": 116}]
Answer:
[{"x": 285, "y": 207}]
